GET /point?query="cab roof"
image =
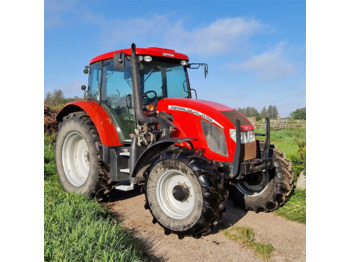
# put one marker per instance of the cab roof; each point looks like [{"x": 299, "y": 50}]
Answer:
[{"x": 152, "y": 51}]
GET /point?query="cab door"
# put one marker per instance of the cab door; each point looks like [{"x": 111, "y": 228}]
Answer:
[{"x": 116, "y": 85}]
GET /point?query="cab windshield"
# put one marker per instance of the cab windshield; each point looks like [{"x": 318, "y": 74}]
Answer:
[{"x": 163, "y": 79}]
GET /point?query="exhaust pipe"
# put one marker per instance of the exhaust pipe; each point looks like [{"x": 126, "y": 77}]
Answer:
[{"x": 136, "y": 89}]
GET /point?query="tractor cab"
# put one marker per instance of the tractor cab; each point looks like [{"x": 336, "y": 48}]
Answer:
[{"x": 162, "y": 74}]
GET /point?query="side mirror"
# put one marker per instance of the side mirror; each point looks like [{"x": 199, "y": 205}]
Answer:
[
  {"x": 83, "y": 87},
  {"x": 128, "y": 101},
  {"x": 86, "y": 69},
  {"x": 119, "y": 61}
]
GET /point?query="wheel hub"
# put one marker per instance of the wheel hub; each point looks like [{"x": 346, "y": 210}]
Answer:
[
  {"x": 181, "y": 192},
  {"x": 175, "y": 194},
  {"x": 75, "y": 159}
]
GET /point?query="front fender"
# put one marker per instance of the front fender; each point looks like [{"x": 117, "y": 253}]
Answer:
[
  {"x": 99, "y": 117},
  {"x": 155, "y": 148}
]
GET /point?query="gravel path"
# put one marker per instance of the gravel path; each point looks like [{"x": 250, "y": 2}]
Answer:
[{"x": 287, "y": 237}]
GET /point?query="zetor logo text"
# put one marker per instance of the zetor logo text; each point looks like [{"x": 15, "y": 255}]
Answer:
[
  {"x": 167, "y": 54},
  {"x": 194, "y": 112}
]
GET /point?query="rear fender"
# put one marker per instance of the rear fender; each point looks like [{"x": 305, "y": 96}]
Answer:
[{"x": 99, "y": 117}]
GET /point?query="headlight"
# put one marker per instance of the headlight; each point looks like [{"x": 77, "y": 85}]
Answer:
[
  {"x": 246, "y": 137},
  {"x": 215, "y": 137},
  {"x": 147, "y": 58}
]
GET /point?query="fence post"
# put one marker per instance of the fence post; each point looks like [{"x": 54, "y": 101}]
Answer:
[{"x": 254, "y": 121}]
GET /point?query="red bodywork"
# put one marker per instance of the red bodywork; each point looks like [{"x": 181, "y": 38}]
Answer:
[
  {"x": 153, "y": 51},
  {"x": 188, "y": 123},
  {"x": 103, "y": 123}
]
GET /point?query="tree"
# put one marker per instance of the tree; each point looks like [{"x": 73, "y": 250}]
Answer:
[
  {"x": 263, "y": 113},
  {"x": 299, "y": 113},
  {"x": 274, "y": 112},
  {"x": 270, "y": 111}
]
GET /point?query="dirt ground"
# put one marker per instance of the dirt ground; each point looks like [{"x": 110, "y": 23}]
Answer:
[{"x": 287, "y": 237}]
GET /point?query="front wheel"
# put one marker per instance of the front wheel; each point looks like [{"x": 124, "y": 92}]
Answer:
[
  {"x": 264, "y": 191},
  {"x": 184, "y": 193}
]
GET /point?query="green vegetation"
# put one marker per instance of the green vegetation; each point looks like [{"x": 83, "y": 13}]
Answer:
[
  {"x": 250, "y": 111},
  {"x": 78, "y": 228},
  {"x": 295, "y": 208},
  {"x": 56, "y": 99},
  {"x": 292, "y": 142},
  {"x": 246, "y": 236},
  {"x": 299, "y": 113}
]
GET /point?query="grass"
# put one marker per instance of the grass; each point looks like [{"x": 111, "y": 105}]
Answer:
[
  {"x": 295, "y": 208},
  {"x": 245, "y": 235},
  {"x": 292, "y": 142},
  {"x": 80, "y": 229}
]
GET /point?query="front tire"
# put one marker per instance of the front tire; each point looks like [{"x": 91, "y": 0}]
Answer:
[
  {"x": 184, "y": 193},
  {"x": 78, "y": 157},
  {"x": 265, "y": 191}
]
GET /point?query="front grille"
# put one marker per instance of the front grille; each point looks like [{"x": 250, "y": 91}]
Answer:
[{"x": 215, "y": 138}]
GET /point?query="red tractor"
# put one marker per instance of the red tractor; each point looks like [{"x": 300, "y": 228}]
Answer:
[{"x": 140, "y": 125}]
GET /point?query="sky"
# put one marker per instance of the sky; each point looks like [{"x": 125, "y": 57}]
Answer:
[{"x": 256, "y": 50}]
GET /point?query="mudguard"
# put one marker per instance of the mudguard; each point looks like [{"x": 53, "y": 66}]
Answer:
[
  {"x": 151, "y": 151},
  {"x": 99, "y": 117}
]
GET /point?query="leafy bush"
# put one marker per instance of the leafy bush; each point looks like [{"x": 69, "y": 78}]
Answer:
[
  {"x": 56, "y": 99},
  {"x": 299, "y": 159}
]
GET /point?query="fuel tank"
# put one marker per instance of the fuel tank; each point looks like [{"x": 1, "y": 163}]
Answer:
[{"x": 210, "y": 124}]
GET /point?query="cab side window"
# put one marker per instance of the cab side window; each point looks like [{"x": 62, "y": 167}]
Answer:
[{"x": 94, "y": 81}]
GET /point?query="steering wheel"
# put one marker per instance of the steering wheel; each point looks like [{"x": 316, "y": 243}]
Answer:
[{"x": 147, "y": 99}]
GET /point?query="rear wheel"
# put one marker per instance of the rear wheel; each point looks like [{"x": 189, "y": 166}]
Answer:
[
  {"x": 185, "y": 193},
  {"x": 78, "y": 157},
  {"x": 265, "y": 191}
]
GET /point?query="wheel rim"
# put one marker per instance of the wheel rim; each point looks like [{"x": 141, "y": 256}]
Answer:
[
  {"x": 254, "y": 184},
  {"x": 75, "y": 159},
  {"x": 175, "y": 194}
]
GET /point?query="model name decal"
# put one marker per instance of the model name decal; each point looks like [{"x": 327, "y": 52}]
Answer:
[
  {"x": 194, "y": 112},
  {"x": 167, "y": 54}
]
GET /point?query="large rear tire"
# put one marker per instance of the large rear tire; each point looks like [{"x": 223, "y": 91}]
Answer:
[
  {"x": 78, "y": 157},
  {"x": 265, "y": 191},
  {"x": 185, "y": 193}
]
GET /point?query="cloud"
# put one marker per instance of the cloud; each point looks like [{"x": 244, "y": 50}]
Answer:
[
  {"x": 221, "y": 36},
  {"x": 269, "y": 65}
]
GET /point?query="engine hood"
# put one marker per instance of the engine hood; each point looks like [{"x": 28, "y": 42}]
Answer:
[
  {"x": 218, "y": 114},
  {"x": 190, "y": 115}
]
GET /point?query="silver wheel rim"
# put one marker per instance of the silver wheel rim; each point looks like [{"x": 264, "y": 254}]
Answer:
[
  {"x": 172, "y": 207},
  {"x": 75, "y": 159}
]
